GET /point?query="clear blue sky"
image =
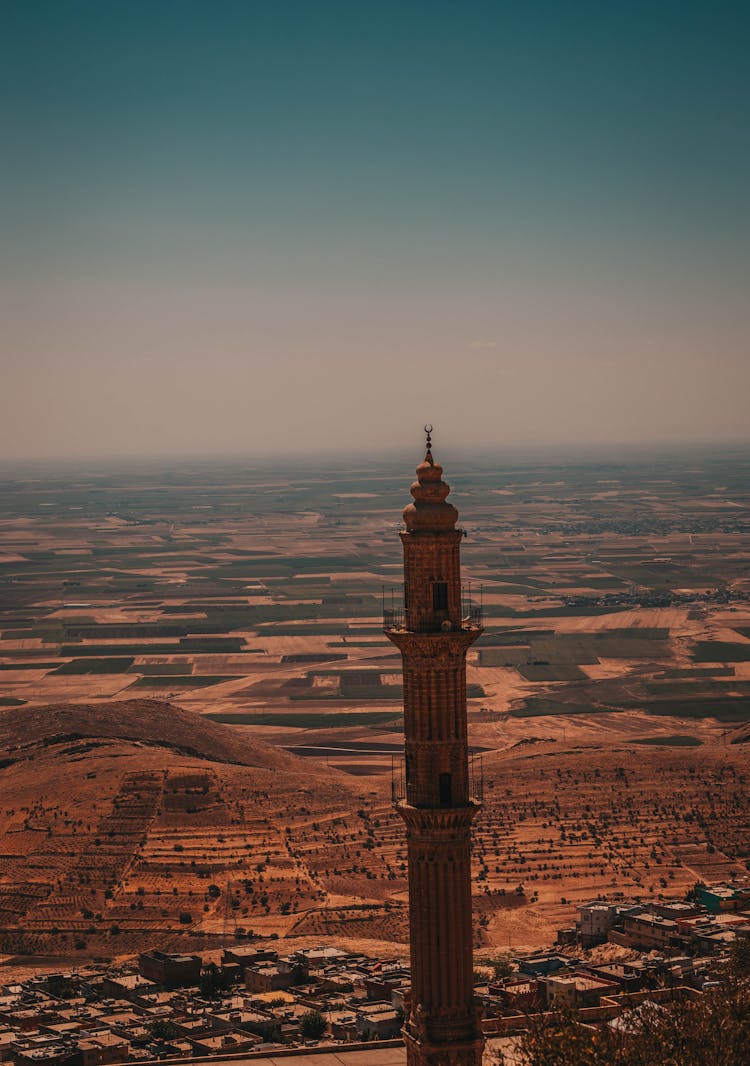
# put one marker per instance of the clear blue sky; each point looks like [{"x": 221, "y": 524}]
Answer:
[{"x": 241, "y": 226}]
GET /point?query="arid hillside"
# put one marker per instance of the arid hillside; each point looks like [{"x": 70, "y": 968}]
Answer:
[
  {"x": 131, "y": 824},
  {"x": 137, "y": 822},
  {"x": 144, "y": 723},
  {"x": 570, "y": 822}
]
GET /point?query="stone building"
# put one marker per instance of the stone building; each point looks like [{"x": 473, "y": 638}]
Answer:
[
  {"x": 170, "y": 970},
  {"x": 595, "y": 921}
]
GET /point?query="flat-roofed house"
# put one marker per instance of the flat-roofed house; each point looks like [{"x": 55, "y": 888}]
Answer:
[{"x": 170, "y": 970}]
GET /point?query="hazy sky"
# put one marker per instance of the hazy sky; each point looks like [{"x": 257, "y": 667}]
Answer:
[{"x": 279, "y": 226}]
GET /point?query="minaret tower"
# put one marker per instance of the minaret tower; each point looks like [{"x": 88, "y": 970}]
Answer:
[{"x": 437, "y": 798}]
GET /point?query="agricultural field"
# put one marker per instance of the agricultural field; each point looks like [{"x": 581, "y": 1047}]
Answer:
[{"x": 614, "y": 670}]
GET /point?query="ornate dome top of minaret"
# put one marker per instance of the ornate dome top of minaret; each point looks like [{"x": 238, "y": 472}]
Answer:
[{"x": 430, "y": 512}]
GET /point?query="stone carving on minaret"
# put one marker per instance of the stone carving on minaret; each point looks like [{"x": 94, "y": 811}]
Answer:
[{"x": 434, "y": 630}]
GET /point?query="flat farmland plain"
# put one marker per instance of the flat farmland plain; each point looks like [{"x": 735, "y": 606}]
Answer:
[{"x": 616, "y": 598}]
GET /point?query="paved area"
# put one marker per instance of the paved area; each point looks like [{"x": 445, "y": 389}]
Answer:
[{"x": 360, "y": 1056}]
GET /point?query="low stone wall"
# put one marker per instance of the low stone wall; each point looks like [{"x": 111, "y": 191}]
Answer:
[{"x": 287, "y": 1052}]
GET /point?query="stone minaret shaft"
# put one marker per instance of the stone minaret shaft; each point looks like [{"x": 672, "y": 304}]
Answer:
[{"x": 441, "y": 1026}]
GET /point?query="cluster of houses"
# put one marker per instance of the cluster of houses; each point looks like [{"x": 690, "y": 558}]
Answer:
[
  {"x": 257, "y": 1001},
  {"x": 685, "y": 945},
  {"x": 174, "y": 1007},
  {"x": 706, "y": 924},
  {"x": 643, "y": 597}
]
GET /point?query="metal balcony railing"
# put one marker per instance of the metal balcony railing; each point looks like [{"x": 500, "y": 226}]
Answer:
[
  {"x": 398, "y": 780},
  {"x": 476, "y": 779},
  {"x": 396, "y": 613}
]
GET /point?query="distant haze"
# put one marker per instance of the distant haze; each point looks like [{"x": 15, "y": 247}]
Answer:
[{"x": 290, "y": 227}]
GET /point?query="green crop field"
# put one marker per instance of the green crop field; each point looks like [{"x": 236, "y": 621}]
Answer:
[
  {"x": 500, "y": 638},
  {"x": 161, "y": 669},
  {"x": 301, "y": 720},
  {"x": 212, "y": 644},
  {"x": 313, "y": 657},
  {"x": 124, "y": 630},
  {"x": 96, "y": 666},
  {"x": 676, "y": 740},
  {"x": 539, "y": 706},
  {"x": 700, "y": 689},
  {"x": 67, "y": 651},
  {"x": 176, "y": 682},
  {"x": 698, "y": 671},
  {"x": 603, "y": 582},
  {"x": 551, "y": 672},
  {"x": 304, "y": 629},
  {"x": 588, "y": 648},
  {"x": 570, "y": 610},
  {"x": 725, "y": 709},
  {"x": 353, "y": 694},
  {"x": 720, "y": 651},
  {"x": 28, "y": 666},
  {"x": 374, "y": 644}
]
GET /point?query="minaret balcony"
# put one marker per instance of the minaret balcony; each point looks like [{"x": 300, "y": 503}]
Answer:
[
  {"x": 396, "y": 613},
  {"x": 401, "y": 787}
]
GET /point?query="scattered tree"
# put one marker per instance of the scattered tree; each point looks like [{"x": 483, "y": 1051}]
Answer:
[{"x": 312, "y": 1025}]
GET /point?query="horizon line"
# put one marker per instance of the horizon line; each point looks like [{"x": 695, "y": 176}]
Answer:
[{"x": 481, "y": 453}]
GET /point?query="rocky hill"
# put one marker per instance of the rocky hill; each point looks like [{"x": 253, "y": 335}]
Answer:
[
  {"x": 138, "y": 823},
  {"x": 26, "y": 730}
]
